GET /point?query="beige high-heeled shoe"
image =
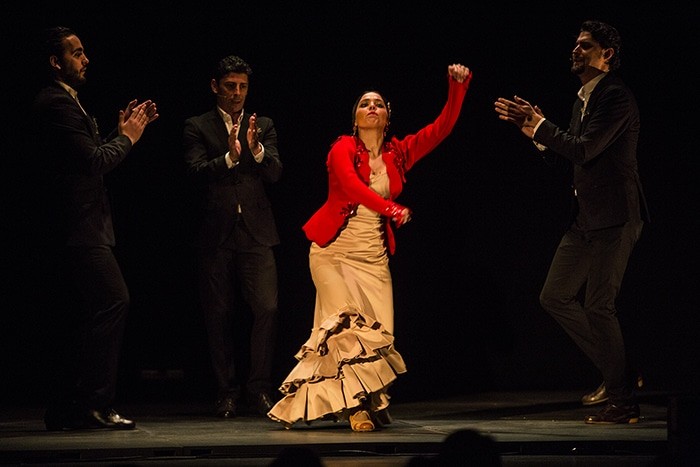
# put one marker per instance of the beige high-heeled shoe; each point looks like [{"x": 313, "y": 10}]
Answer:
[{"x": 361, "y": 421}]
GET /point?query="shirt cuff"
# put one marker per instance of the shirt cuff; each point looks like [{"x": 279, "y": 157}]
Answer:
[
  {"x": 229, "y": 163},
  {"x": 539, "y": 146},
  {"x": 259, "y": 156}
]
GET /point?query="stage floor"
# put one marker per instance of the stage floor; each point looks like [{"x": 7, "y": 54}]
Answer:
[{"x": 530, "y": 428}]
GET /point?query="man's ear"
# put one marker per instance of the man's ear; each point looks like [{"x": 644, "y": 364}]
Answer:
[{"x": 53, "y": 60}]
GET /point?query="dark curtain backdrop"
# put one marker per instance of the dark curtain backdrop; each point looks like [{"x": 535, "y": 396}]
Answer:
[{"x": 488, "y": 212}]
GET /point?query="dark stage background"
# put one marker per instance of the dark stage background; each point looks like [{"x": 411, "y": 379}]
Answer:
[{"x": 488, "y": 212}]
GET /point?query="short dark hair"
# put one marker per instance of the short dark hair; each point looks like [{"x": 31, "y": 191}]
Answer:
[
  {"x": 52, "y": 40},
  {"x": 52, "y": 44},
  {"x": 608, "y": 38},
  {"x": 231, "y": 64}
]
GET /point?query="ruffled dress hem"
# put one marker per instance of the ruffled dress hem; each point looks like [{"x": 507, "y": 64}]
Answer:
[{"x": 348, "y": 361}]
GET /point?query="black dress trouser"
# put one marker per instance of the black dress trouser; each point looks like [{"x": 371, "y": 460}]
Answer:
[{"x": 597, "y": 260}]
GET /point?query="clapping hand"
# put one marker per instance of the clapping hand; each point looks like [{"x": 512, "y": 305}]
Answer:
[
  {"x": 252, "y": 135},
  {"x": 519, "y": 112},
  {"x": 133, "y": 119},
  {"x": 149, "y": 107},
  {"x": 234, "y": 146}
]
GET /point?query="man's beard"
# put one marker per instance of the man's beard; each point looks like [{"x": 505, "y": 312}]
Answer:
[
  {"x": 76, "y": 80},
  {"x": 578, "y": 69}
]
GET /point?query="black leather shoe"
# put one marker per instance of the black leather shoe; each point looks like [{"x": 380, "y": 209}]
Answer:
[
  {"x": 107, "y": 419},
  {"x": 226, "y": 407},
  {"x": 613, "y": 414},
  {"x": 261, "y": 403},
  {"x": 600, "y": 395},
  {"x": 381, "y": 418}
]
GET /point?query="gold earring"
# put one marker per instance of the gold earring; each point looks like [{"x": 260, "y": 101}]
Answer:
[{"x": 354, "y": 129}]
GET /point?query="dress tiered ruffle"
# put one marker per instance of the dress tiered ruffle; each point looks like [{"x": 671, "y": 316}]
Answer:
[{"x": 348, "y": 360}]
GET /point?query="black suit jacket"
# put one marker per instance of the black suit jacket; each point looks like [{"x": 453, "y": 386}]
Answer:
[
  {"x": 73, "y": 158},
  {"x": 224, "y": 190},
  {"x": 603, "y": 148}
]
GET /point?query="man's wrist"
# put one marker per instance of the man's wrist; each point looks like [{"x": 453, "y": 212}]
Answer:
[
  {"x": 258, "y": 156},
  {"x": 230, "y": 163}
]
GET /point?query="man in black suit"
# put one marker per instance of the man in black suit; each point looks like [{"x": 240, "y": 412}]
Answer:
[
  {"x": 75, "y": 218},
  {"x": 601, "y": 143},
  {"x": 231, "y": 155}
]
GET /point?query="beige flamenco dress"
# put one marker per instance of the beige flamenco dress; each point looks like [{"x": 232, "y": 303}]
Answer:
[{"x": 349, "y": 360}]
